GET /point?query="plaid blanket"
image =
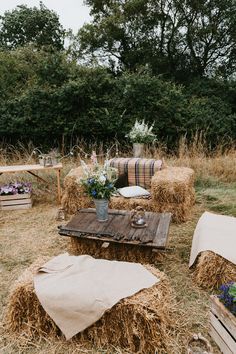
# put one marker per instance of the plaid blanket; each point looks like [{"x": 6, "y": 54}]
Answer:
[{"x": 140, "y": 171}]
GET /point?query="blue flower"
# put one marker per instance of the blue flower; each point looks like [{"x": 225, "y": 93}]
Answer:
[
  {"x": 110, "y": 186},
  {"x": 94, "y": 193},
  {"x": 90, "y": 180}
]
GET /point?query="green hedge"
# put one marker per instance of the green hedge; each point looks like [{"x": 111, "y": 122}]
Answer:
[{"x": 44, "y": 96}]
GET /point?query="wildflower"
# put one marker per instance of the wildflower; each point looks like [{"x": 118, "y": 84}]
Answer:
[
  {"x": 141, "y": 133},
  {"x": 98, "y": 181},
  {"x": 102, "y": 179},
  {"x": 94, "y": 158}
]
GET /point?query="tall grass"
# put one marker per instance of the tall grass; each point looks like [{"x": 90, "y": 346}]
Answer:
[{"x": 219, "y": 164}]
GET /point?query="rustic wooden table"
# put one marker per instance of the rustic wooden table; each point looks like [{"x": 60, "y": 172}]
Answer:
[
  {"x": 118, "y": 229},
  {"x": 31, "y": 169}
]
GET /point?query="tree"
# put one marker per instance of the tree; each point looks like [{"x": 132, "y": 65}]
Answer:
[
  {"x": 175, "y": 38},
  {"x": 37, "y": 26}
]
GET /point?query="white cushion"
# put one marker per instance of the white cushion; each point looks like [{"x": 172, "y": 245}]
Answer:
[{"x": 134, "y": 191}]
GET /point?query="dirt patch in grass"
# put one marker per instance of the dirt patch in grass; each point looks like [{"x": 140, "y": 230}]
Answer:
[{"x": 26, "y": 235}]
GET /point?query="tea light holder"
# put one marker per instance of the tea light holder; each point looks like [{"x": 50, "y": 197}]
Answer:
[{"x": 138, "y": 218}]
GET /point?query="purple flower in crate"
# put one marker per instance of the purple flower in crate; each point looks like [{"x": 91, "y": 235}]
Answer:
[
  {"x": 228, "y": 296},
  {"x": 16, "y": 188}
]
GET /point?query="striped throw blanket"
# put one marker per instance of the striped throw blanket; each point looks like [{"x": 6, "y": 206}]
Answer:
[{"x": 140, "y": 171}]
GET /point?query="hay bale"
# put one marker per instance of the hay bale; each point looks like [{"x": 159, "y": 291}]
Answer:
[
  {"x": 213, "y": 270},
  {"x": 74, "y": 196},
  {"x": 141, "y": 323},
  {"x": 172, "y": 185},
  {"x": 180, "y": 211},
  {"x": 119, "y": 252},
  {"x": 172, "y": 191},
  {"x": 23, "y": 311}
]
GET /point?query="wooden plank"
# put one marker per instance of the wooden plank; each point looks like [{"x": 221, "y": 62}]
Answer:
[
  {"x": 15, "y": 196},
  {"x": 153, "y": 220},
  {"x": 78, "y": 221},
  {"x": 161, "y": 237},
  {"x": 118, "y": 228},
  {"x": 15, "y": 207},
  {"x": 15, "y": 202},
  {"x": 223, "y": 333},
  {"x": 219, "y": 341},
  {"x": 25, "y": 168}
]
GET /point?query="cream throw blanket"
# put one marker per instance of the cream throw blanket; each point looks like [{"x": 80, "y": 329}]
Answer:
[
  {"x": 76, "y": 290},
  {"x": 216, "y": 233}
]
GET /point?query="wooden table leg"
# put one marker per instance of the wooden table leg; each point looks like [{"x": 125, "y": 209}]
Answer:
[{"x": 59, "y": 186}]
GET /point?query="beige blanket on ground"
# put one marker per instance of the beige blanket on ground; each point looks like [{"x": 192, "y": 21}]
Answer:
[
  {"x": 76, "y": 290},
  {"x": 216, "y": 233}
]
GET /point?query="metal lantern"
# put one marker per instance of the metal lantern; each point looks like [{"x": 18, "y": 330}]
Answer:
[{"x": 61, "y": 215}]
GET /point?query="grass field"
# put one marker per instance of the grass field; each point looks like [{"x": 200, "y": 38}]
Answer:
[{"x": 25, "y": 235}]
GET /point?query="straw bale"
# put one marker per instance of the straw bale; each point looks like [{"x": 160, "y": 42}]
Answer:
[
  {"x": 213, "y": 270},
  {"x": 141, "y": 323},
  {"x": 130, "y": 203},
  {"x": 74, "y": 196},
  {"x": 23, "y": 312},
  {"x": 119, "y": 252},
  {"x": 172, "y": 191},
  {"x": 180, "y": 211},
  {"x": 172, "y": 185}
]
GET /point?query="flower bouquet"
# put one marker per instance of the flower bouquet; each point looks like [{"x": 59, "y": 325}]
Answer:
[
  {"x": 99, "y": 180},
  {"x": 98, "y": 183},
  {"x": 141, "y": 133}
]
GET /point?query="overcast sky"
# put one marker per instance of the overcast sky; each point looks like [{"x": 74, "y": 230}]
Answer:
[{"x": 72, "y": 13}]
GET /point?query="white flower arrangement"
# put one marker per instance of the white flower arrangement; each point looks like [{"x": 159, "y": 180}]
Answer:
[{"x": 141, "y": 133}]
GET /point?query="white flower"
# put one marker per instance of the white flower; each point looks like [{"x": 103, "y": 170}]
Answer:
[
  {"x": 102, "y": 179},
  {"x": 141, "y": 133},
  {"x": 85, "y": 168}
]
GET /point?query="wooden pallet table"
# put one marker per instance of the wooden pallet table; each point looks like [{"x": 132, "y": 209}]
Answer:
[{"x": 84, "y": 225}]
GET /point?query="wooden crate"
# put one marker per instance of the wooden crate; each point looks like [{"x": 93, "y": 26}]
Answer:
[
  {"x": 16, "y": 201},
  {"x": 222, "y": 326}
]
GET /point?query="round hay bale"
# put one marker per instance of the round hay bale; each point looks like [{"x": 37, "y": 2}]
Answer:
[
  {"x": 141, "y": 323},
  {"x": 213, "y": 270},
  {"x": 119, "y": 252}
]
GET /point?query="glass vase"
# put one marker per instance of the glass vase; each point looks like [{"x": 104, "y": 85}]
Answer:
[{"x": 101, "y": 206}]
